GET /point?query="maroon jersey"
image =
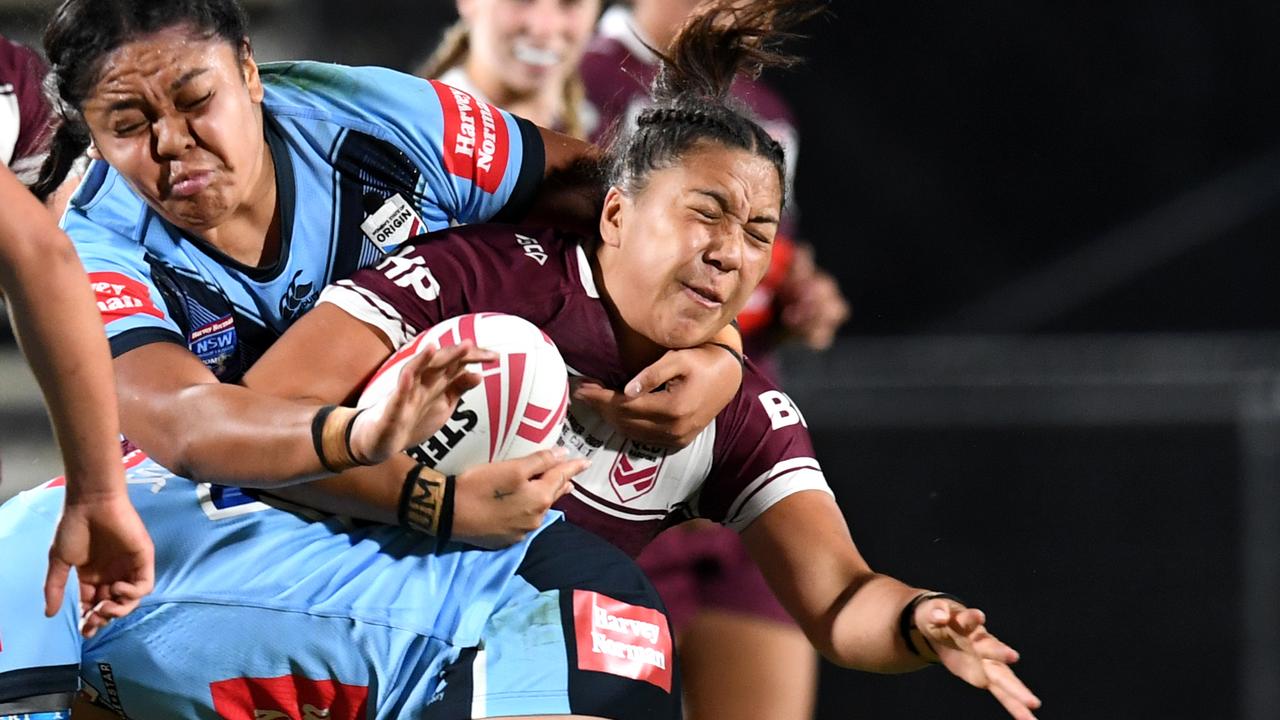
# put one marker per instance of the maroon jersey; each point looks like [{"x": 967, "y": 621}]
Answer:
[
  {"x": 756, "y": 452},
  {"x": 24, "y": 113}
]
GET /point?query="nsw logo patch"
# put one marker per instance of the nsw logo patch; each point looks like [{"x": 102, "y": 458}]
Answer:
[{"x": 622, "y": 639}]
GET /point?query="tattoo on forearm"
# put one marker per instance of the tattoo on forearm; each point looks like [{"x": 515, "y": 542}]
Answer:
[{"x": 502, "y": 494}]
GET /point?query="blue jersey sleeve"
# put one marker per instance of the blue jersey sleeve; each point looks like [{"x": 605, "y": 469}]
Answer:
[
  {"x": 132, "y": 307},
  {"x": 39, "y": 656},
  {"x": 478, "y": 162}
]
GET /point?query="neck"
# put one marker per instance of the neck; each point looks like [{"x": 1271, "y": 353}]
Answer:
[
  {"x": 636, "y": 351},
  {"x": 544, "y": 106},
  {"x": 252, "y": 235}
]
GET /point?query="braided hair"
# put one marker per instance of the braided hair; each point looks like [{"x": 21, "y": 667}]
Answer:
[
  {"x": 691, "y": 100},
  {"x": 83, "y": 32}
]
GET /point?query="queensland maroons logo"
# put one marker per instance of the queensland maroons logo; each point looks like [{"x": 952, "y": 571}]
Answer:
[{"x": 635, "y": 471}]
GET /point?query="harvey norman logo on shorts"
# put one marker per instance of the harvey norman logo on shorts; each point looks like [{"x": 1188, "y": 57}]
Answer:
[
  {"x": 475, "y": 138},
  {"x": 622, "y": 639}
]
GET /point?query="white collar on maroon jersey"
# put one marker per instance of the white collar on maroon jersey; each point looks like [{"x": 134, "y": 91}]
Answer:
[
  {"x": 618, "y": 23},
  {"x": 584, "y": 273}
]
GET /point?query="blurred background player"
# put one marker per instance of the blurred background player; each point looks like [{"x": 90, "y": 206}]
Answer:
[
  {"x": 717, "y": 597},
  {"x": 52, "y": 311},
  {"x": 208, "y": 239},
  {"x": 523, "y": 57}
]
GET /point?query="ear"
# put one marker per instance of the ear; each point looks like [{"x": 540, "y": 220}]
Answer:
[
  {"x": 616, "y": 204},
  {"x": 249, "y": 69},
  {"x": 464, "y": 9},
  {"x": 92, "y": 152}
]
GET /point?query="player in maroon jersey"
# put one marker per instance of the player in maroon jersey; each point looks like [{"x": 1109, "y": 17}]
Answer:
[
  {"x": 713, "y": 590},
  {"x": 684, "y": 236}
]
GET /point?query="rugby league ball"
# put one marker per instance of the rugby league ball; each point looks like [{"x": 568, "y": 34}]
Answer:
[{"x": 518, "y": 407}]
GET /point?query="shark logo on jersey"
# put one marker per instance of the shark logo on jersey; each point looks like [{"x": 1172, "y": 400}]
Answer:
[
  {"x": 298, "y": 298},
  {"x": 635, "y": 471}
]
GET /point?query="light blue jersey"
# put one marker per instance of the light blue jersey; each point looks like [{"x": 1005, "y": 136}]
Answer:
[
  {"x": 364, "y": 159},
  {"x": 251, "y": 599}
]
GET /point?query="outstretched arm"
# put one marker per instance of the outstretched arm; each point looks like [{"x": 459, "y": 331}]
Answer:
[
  {"x": 851, "y": 614},
  {"x": 100, "y": 534}
]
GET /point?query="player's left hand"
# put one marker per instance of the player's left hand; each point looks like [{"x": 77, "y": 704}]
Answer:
[
  {"x": 105, "y": 541},
  {"x": 673, "y": 400},
  {"x": 960, "y": 638}
]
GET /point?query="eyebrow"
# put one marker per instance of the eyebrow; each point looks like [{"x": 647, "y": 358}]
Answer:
[
  {"x": 723, "y": 202},
  {"x": 131, "y": 103}
]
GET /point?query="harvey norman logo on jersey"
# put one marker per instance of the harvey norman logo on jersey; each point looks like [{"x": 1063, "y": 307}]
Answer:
[
  {"x": 120, "y": 296},
  {"x": 622, "y": 639},
  {"x": 475, "y": 138}
]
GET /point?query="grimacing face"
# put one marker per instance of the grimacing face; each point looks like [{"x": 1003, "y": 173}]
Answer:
[
  {"x": 527, "y": 43},
  {"x": 680, "y": 257},
  {"x": 179, "y": 116}
]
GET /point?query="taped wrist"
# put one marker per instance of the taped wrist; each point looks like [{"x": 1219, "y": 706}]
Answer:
[
  {"x": 426, "y": 502},
  {"x": 331, "y": 437}
]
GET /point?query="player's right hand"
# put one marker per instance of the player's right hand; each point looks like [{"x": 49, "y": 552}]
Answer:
[
  {"x": 497, "y": 504},
  {"x": 105, "y": 540}
]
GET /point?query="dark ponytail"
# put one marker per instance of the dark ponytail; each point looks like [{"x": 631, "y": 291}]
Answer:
[
  {"x": 70, "y": 140},
  {"x": 83, "y": 32},
  {"x": 691, "y": 92}
]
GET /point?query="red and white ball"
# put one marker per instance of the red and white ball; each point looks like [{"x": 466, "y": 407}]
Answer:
[{"x": 518, "y": 407}]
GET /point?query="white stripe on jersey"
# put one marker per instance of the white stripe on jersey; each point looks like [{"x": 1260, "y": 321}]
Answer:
[
  {"x": 802, "y": 473},
  {"x": 370, "y": 309}
]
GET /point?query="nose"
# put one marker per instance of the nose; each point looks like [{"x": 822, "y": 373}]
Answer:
[
  {"x": 724, "y": 252},
  {"x": 172, "y": 136}
]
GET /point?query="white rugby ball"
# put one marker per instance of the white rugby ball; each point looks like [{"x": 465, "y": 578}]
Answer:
[{"x": 518, "y": 407}]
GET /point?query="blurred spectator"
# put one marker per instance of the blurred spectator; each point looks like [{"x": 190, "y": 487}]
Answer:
[{"x": 521, "y": 55}]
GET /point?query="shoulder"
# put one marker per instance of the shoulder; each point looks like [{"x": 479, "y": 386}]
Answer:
[
  {"x": 357, "y": 97},
  {"x": 103, "y": 201}
]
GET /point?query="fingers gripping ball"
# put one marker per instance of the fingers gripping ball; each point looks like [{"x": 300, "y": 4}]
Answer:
[{"x": 517, "y": 409}]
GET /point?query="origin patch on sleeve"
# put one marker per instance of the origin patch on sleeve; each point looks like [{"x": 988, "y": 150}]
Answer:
[{"x": 622, "y": 639}]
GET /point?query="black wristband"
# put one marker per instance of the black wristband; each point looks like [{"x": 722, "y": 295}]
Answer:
[
  {"x": 346, "y": 437},
  {"x": 317, "y": 434},
  {"x": 906, "y": 619},
  {"x": 729, "y": 349},
  {"x": 446, "y": 513},
  {"x": 402, "y": 508}
]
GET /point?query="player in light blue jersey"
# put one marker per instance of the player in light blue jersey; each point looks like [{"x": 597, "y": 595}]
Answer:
[
  {"x": 261, "y": 612},
  {"x": 231, "y": 194}
]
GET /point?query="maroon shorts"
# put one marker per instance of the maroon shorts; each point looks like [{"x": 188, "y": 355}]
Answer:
[{"x": 704, "y": 566}]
